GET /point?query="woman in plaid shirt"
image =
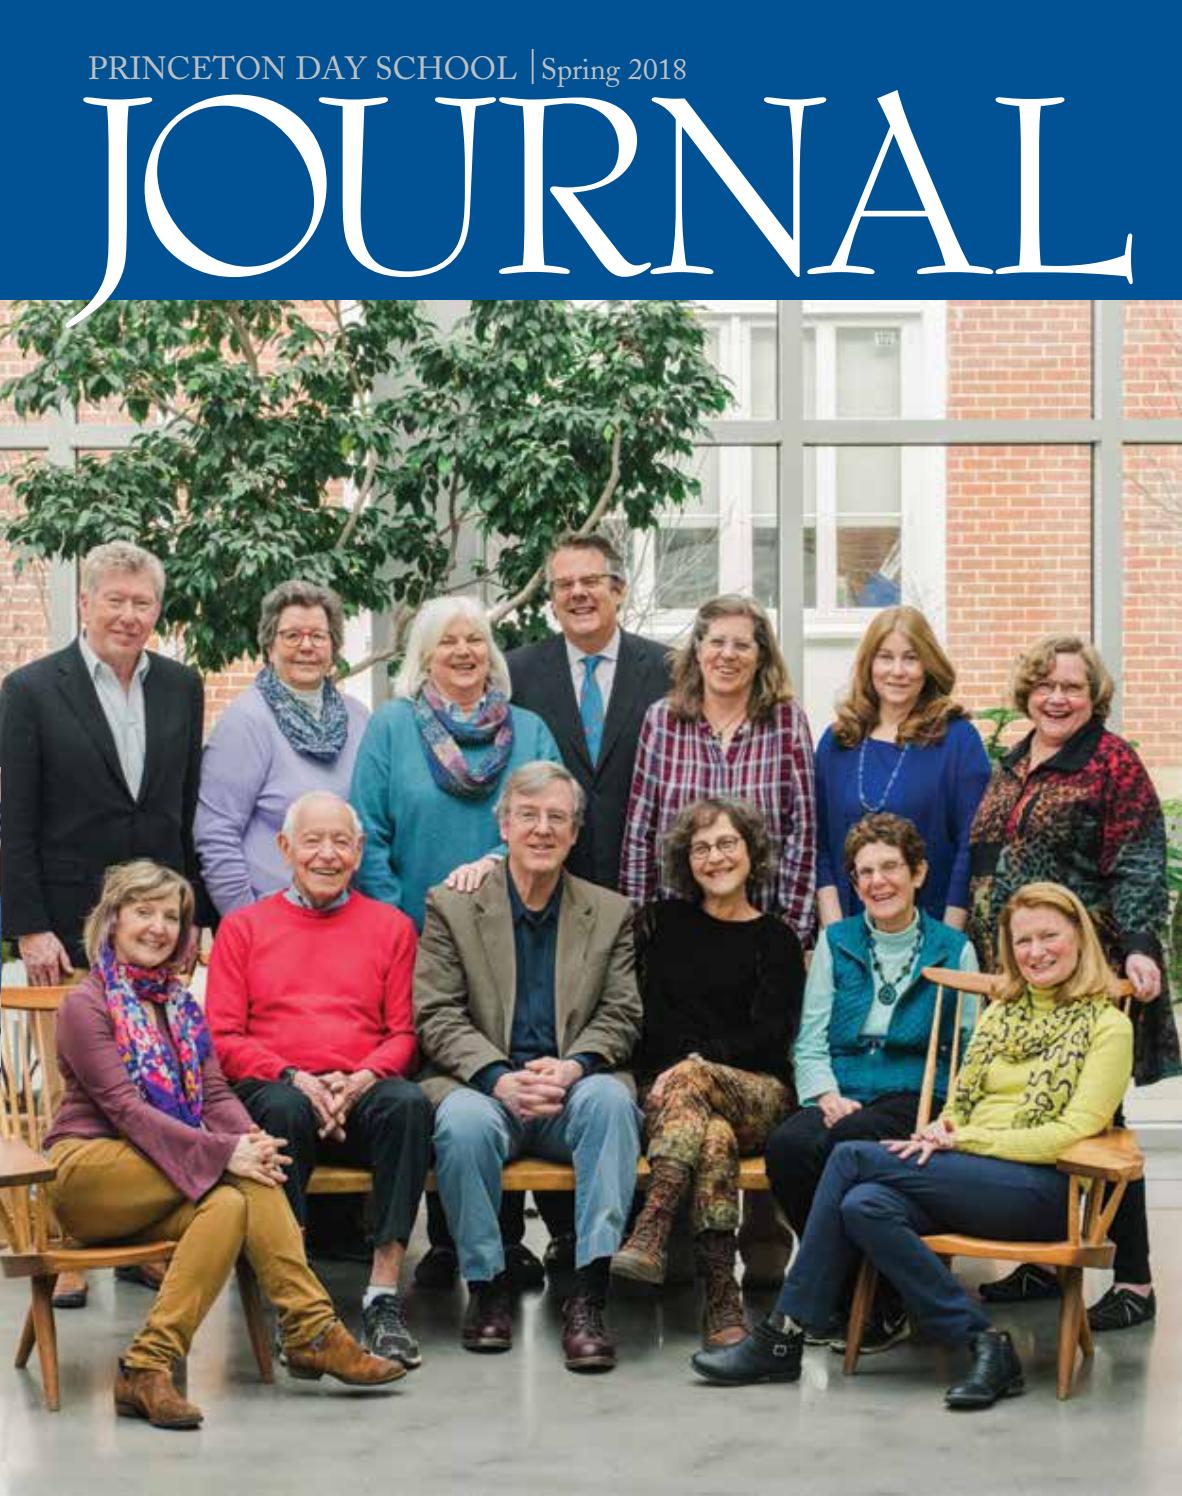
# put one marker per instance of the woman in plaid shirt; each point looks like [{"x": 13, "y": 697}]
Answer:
[{"x": 729, "y": 728}]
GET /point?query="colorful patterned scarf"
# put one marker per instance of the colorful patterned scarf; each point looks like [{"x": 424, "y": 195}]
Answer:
[
  {"x": 441, "y": 732},
  {"x": 1057, "y": 1038},
  {"x": 320, "y": 738},
  {"x": 131, "y": 993}
]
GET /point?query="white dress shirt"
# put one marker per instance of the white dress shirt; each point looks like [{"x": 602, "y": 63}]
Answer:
[
  {"x": 124, "y": 711},
  {"x": 605, "y": 671}
]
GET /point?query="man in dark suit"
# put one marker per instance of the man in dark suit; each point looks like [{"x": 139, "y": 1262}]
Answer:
[
  {"x": 100, "y": 748},
  {"x": 592, "y": 685}
]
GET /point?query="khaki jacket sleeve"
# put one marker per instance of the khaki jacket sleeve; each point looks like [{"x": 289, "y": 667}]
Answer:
[
  {"x": 447, "y": 1035},
  {"x": 613, "y": 1030}
]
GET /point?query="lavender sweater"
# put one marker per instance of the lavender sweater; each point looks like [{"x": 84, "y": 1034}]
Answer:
[{"x": 250, "y": 774}]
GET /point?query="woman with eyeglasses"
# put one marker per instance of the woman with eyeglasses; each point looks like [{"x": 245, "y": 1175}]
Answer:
[
  {"x": 859, "y": 1056},
  {"x": 900, "y": 744},
  {"x": 290, "y": 733},
  {"x": 729, "y": 729},
  {"x": 1073, "y": 803},
  {"x": 721, "y": 986}
]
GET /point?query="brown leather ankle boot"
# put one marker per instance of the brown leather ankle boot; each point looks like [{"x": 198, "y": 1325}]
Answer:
[
  {"x": 150, "y": 1394},
  {"x": 335, "y": 1353},
  {"x": 723, "y": 1321},
  {"x": 643, "y": 1257}
]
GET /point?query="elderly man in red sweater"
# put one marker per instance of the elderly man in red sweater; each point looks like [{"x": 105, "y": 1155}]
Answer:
[{"x": 309, "y": 1003}]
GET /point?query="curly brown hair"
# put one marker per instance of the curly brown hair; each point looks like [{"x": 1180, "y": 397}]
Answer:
[
  {"x": 1036, "y": 663},
  {"x": 858, "y": 710},
  {"x": 675, "y": 845},
  {"x": 772, "y": 683},
  {"x": 892, "y": 831}
]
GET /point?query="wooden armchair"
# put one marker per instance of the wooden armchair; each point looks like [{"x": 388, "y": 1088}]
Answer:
[
  {"x": 37, "y": 1249},
  {"x": 1099, "y": 1170}
]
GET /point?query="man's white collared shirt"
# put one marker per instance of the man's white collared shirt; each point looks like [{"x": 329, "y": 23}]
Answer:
[{"x": 124, "y": 711}]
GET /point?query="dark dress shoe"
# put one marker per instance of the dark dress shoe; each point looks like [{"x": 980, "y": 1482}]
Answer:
[
  {"x": 438, "y": 1268},
  {"x": 523, "y": 1268},
  {"x": 586, "y": 1343},
  {"x": 488, "y": 1324},
  {"x": 1026, "y": 1283},
  {"x": 996, "y": 1372},
  {"x": 559, "y": 1256},
  {"x": 767, "y": 1355},
  {"x": 71, "y": 1291}
]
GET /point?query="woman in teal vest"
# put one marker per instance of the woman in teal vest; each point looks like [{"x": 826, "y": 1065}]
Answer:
[{"x": 859, "y": 1055}]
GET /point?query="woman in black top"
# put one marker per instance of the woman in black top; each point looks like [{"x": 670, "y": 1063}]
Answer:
[{"x": 722, "y": 988}]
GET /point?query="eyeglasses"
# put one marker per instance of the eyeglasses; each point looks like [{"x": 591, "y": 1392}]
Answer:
[
  {"x": 726, "y": 846},
  {"x": 890, "y": 869},
  {"x": 529, "y": 816},
  {"x": 1073, "y": 690},
  {"x": 717, "y": 643},
  {"x": 590, "y": 583},
  {"x": 293, "y": 638}
]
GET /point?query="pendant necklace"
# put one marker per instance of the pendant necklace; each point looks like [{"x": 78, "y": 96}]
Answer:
[
  {"x": 888, "y": 992},
  {"x": 886, "y": 794}
]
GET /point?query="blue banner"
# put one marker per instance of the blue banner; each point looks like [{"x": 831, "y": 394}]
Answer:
[{"x": 859, "y": 150}]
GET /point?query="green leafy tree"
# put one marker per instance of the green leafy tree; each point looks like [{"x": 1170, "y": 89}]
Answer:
[{"x": 524, "y": 419}]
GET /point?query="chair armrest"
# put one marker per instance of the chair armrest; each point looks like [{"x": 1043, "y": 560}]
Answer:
[
  {"x": 20, "y": 1164},
  {"x": 1112, "y": 1155}
]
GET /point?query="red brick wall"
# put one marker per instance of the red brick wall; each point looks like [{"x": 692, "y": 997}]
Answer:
[{"x": 1019, "y": 360}]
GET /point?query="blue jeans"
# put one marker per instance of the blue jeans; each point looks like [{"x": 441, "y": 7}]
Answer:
[
  {"x": 872, "y": 1202},
  {"x": 598, "y": 1130}
]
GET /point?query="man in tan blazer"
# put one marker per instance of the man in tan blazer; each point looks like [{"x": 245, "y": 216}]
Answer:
[{"x": 526, "y": 1006}]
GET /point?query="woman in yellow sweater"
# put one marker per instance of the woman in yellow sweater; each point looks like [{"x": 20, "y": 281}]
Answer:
[{"x": 1047, "y": 1066}]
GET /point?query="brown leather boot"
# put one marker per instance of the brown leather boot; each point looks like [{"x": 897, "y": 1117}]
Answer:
[
  {"x": 723, "y": 1321},
  {"x": 644, "y": 1256},
  {"x": 150, "y": 1394},
  {"x": 336, "y": 1354}
]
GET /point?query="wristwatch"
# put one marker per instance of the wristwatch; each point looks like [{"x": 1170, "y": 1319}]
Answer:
[{"x": 288, "y": 1074}]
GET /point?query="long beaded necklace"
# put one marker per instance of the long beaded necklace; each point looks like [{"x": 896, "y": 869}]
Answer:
[
  {"x": 886, "y": 794},
  {"x": 888, "y": 992}
]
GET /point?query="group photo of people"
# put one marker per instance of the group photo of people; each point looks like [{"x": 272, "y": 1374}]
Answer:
[{"x": 597, "y": 902}]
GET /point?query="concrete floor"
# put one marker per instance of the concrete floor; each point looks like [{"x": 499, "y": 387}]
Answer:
[{"x": 521, "y": 1424}]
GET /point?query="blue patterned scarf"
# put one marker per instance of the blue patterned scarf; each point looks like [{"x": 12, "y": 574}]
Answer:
[
  {"x": 171, "y": 1083},
  {"x": 319, "y": 738},
  {"x": 441, "y": 732}
]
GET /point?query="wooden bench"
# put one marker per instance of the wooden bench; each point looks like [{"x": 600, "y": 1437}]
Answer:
[{"x": 521, "y": 1174}]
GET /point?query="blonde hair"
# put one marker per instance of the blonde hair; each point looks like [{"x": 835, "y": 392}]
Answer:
[
  {"x": 119, "y": 555},
  {"x": 130, "y": 883},
  {"x": 772, "y": 683},
  {"x": 859, "y": 709},
  {"x": 1036, "y": 663},
  {"x": 1092, "y": 975},
  {"x": 429, "y": 626}
]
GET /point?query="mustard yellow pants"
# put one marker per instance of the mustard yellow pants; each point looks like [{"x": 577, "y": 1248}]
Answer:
[{"x": 106, "y": 1191}]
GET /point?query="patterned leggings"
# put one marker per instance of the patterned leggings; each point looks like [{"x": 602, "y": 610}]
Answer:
[{"x": 706, "y": 1117}]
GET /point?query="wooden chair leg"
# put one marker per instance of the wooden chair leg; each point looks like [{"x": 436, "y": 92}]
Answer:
[
  {"x": 24, "y": 1346},
  {"x": 1070, "y": 1315},
  {"x": 256, "y": 1320},
  {"x": 859, "y": 1314},
  {"x": 46, "y": 1335}
]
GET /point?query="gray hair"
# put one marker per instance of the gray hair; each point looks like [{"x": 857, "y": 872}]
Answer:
[
  {"x": 571, "y": 540},
  {"x": 299, "y": 593},
  {"x": 425, "y": 633},
  {"x": 532, "y": 779},
  {"x": 293, "y": 812},
  {"x": 120, "y": 555}
]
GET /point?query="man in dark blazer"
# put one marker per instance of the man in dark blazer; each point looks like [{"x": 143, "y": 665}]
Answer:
[
  {"x": 100, "y": 749},
  {"x": 587, "y": 588}
]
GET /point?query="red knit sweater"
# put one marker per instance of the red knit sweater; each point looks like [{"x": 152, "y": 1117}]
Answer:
[{"x": 320, "y": 990}]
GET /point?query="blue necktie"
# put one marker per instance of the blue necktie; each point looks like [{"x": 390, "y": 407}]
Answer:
[{"x": 591, "y": 706}]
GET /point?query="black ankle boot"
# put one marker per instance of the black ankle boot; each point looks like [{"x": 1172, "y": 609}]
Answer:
[
  {"x": 767, "y": 1355},
  {"x": 996, "y": 1372}
]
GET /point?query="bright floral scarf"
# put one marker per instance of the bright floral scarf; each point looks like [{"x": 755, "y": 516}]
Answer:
[
  {"x": 171, "y": 1083},
  {"x": 441, "y": 732}
]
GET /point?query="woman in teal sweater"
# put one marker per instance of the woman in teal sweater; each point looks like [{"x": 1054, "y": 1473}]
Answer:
[{"x": 432, "y": 761}]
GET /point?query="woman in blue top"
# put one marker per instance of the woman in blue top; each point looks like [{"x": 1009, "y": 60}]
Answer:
[
  {"x": 432, "y": 761},
  {"x": 900, "y": 744},
  {"x": 859, "y": 1055}
]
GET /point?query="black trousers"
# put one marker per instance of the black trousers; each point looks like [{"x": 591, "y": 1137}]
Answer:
[
  {"x": 800, "y": 1147},
  {"x": 388, "y": 1132},
  {"x": 1130, "y": 1230}
]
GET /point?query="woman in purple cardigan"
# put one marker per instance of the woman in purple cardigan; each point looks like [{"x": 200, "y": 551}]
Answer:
[
  {"x": 291, "y": 732},
  {"x": 150, "y": 1143}
]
